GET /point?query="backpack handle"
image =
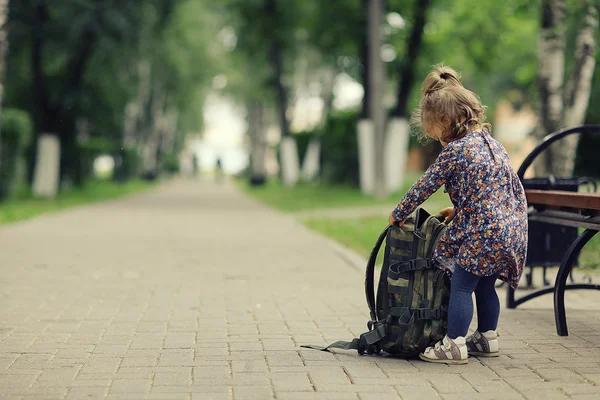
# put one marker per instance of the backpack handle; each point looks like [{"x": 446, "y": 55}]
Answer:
[{"x": 370, "y": 273}]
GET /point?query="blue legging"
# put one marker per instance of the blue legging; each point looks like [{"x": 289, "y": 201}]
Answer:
[{"x": 460, "y": 309}]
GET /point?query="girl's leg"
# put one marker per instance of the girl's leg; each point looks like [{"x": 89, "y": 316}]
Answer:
[
  {"x": 488, "y": 304},
  {"x": 460, "y": 309}
]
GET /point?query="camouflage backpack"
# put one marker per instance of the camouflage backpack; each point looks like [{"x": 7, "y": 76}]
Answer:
[{"x": 410, "y": 311}]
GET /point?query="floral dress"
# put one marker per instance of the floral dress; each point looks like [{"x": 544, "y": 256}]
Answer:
[{"x": 489, "y": 232}]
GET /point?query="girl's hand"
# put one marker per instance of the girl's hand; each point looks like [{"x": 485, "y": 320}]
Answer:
[
  {"x": 448, "y": 213},
  {"x": 392, "y": 221}
]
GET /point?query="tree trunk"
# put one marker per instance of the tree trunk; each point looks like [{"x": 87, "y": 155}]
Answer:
[
  {"x": 312, "y": 159},
  {"x": 377, "y": 112},
  {"x": 151, "y": 154},
  {"x": 409, "y": 61},
  {"x": 551, "y": 61},
  {"x": 328, "y": 84},
  {"x": 555, "y": 111},
  {"x": 58, "y": 117},
  {"x": 135, "y": 109},
  {"x": 578, "y": 90},
  {"x": 3, "y": 46},
  {"x": 398, "y": 126},
  {"x": 44, "y": 155},
  {"x": 258, "y": 143},
  {"x": 364, "y": 57},
  {"x": 288, "y": 152},
  {"x": 276, "y": 55},
  {"x": 171, "y": 121}
]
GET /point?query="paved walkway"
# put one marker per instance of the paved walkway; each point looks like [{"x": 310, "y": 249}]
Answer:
[{"x": 194, "y": 291}]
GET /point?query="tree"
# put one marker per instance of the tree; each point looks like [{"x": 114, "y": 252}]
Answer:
[
  {"x": 3, "y": 45},
  {"x": 289, "y": 156},
  {"x": 377, "y": 82},
  {"x": 408, "y": 63},
  {"x": 3, "y": 49},
  {"x": 337, "y": 34},
  {"x": 266, "y": 35},
  {"x": 397, "y": 135},
  {"x": 561, "y": 106},
  {"x": 57, "y": 84},
  {"x": 122, "y": 66}
]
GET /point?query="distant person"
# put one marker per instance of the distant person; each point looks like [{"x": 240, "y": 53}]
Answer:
[
  {"x": 487, "y": 239},
  {"x": 219, "y": 171},
  {"x": 195, "y": 164}
]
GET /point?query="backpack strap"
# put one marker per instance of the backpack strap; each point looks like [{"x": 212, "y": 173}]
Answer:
[
  {"x": 366, "y": 343},
  {"x": 370, "y": 274}
]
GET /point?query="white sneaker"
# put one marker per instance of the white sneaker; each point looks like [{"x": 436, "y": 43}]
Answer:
[
  {"x": 447, "y": 351},
  {"x": 483, "y": 344}
]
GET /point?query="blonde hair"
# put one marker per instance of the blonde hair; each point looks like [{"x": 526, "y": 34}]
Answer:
[{"x": 447, "y": 103}]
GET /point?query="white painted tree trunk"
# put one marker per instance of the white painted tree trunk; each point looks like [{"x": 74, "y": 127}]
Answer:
[
  {"x": 135, "y": 110},
  {"x": 3, "y": 44},
  {"x": 311, "y": 165},
  {"x": 366, "y": 156},
  {"x": 3, "y": 47},
  {"x": 259, "y": 156},
  {"x": 170, "y": 126},
  {"x": 578, "y": 91},
  {"x": 396, "y": 153},
  {"x": 289, "y": 162},
  {"x": 551, "y": 61},
  {"x": 376, "y": 91},
  {"x": 312, "y": 159},
  {"x": 46, "y": 175},
  {"x": 258, "y": 142}
]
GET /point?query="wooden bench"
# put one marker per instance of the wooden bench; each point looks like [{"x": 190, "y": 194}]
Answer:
[{"x": 579, "y": 210}]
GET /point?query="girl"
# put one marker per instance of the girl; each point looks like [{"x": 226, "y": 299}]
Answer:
[{"x": 488, "y": 238}]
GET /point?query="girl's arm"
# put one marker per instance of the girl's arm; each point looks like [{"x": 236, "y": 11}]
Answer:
[{"x": 436, "y": 175}]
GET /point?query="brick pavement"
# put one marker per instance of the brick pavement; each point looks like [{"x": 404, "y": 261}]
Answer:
[{"x": 194, "y": 291}]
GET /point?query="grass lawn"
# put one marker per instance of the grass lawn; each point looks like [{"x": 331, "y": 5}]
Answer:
[
  {"x": 361, "y": 233},
  {"x": 313, "y": 196},
  {"x": 25, "y": 207}
]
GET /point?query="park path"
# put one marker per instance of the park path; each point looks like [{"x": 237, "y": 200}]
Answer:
[{"x": 195, "y": 291}]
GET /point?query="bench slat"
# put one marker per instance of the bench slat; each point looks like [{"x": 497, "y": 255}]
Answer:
[
  {"x": 565, "y": 219},
  {"x": 589, "y": 201}
]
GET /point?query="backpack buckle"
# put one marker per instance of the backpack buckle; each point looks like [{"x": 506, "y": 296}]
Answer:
[
  {"x": 418, "y": 234},
  {"x": 370, "y": 325}
]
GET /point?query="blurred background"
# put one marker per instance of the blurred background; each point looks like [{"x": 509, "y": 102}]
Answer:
[{"x": 291, "y": 91}]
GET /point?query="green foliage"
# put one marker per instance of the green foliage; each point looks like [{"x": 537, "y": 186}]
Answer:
[
  {"x": 15, "y": 135},
  {"x": 302, "y": 140},
  {"x": 171, "y": 163},
  {"x": 16, "y": 128},
  {"x": 336, "y": 29},
  {"x": 359, "y": 233},
  {"x": 127, "y": 161},
  {"x": 307, "y": 197},
  {"x": 84, "y": 59},
  {"x": 339, "y": 149},
  {"x": 491, "y": 43}
]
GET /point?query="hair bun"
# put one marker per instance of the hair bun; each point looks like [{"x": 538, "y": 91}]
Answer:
[
  {"x": 447, "y": 73},
  {"x": 440, "y": 77}
]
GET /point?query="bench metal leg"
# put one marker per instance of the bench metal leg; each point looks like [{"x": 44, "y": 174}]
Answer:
[
  {"x": 561, "y": 280},
  {"x": 510, "y": 297}
]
